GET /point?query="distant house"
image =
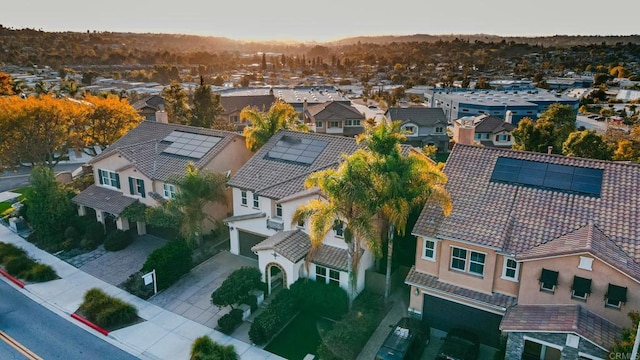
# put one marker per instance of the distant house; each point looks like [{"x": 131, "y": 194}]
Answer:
[
  {"x": 486, "y": 130},
  {"x": 233, "y": 105},
  {"x": 334, "y": 118},
  {"x": 541, "y": 248},
  {"x": 423, "y": 126},
  {"x": 148, "y": 106},
  {"x": 141, "y": 165}
]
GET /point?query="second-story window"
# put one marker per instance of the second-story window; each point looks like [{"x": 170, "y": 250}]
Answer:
[
  {"x": 301, "y": 223},
  {"x": 510, "y": 269},
  {"x": 136, "y": 187},
  {"x": 439, "y": 129},
  {"x": 278, "y": 211},
  {"x": 581, "y": 288},
  {"x": 243, "y": 198},
  {"x": 429, "y": 250},
  {"x": 334, "y": 124},
  {"x": 109, "y": 178},
  {"x": 338, "y": 227},
  {"x": 235, "y": 118},
  {"x": 256, "y": 201},
  {"x": 169, "y": 191},
  {"x": 410, "y": 130},
  {"x": 548, "y": 280},
  {"x": 503, "y": 137},
  {"x": 460, "y": 257}
]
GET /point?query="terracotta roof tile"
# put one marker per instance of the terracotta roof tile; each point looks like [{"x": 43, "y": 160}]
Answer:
[
  {"x": 423, "y": 280},
  {"x": 332, "y": 257},
  {"x": 292, "y": 244},
  {"x": 98, "y": 197},
  {"x": 561, "y": 318}
]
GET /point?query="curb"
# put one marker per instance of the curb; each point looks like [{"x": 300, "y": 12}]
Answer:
[
  {"x": 90, "y": 324},
  {"x": 12, "y": 279}
]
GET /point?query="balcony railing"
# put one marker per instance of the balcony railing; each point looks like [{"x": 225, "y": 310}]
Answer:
[{"x": 275, "y": 224}]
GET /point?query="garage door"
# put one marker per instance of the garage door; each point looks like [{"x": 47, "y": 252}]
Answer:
[
  {"x": 446, "y": 315},
  {"x": 247, "y": 240}
]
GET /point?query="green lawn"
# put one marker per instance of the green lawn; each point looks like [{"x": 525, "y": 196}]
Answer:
[
  {"x": 6, "y": 205},
  {"x": 300, "y": 337}
]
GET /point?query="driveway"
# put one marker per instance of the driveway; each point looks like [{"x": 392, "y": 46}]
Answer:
[{"x": 191, "y": 295}]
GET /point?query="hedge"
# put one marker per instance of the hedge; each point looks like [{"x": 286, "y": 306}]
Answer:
[
  {"x": 107, "y": 311},
  {"x": 203, "y": 348},
  {"x": 10, "y": 250},
  {"x": 274, "y": 317},
  {"x": 40, "y": 273},
  {"x": 118, "y": 240},
  {"x": 321, "y": 299},
  {"x": 170, "y": 262},
  {"x": 230, "y": 321},
  {"x": 17, "y": 263}
]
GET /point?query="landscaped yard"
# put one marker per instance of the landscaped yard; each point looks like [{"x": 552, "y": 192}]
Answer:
[
  {"x": 6, "y": 205},
  {"x": 300, "y": 337}
]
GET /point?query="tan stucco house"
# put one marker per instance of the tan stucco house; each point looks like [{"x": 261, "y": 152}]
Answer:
[
  {"x": 140, "y": 166},
  {"x": 542, "y": 249}
]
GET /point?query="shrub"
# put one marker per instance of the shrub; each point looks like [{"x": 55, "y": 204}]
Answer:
[
  {"x": 203, "y": 348},
  {"x": 87, "y": 244},
  {"x": 40, "y": 273},
  {"x": 70, "y": 244},
  {"x": 170, "y": 262},
  {"x": 236, "y": 286},
  {"x": 95, "y": 233},
  {"x": 283, "y": 308},
  {"x": 10, "y": 250},
  {"x": 252, "y": 301},
  {"x": 72, "y": 233},
  {"x": 18, "y": 265},
  {"x": 106, "y": 311},
  {"x": 321, "y": 299},
  {"x": 135, "y": 286},
  {"x": 230, "y": 321},
  {"x": 117, "y": 240}
]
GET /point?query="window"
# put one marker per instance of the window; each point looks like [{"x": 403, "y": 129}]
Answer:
[
  {"x": 411, "y": 130},
  {"x": 429, "y": 251},
  {"x": 439, "y": 129},
  {"x": 615, "y": 296},
  {"x": 169, "y": 191},
  {"x": 334, "y": 124},
  {"x": 581, "y": 288},
  {"x": 243, "y": 198},
  {"x": 510, "y": 269},
  {"x": 256, "y": 201},
  {"x": 235, "y": 118},
  {"x": 586, "y": 263},
  {"x": 321, "y": 274},
  {"x": 352, "y": 123},
  {"x": 503, "y": 137},
  {"x": 109, "y": 178},
  {"x": 334, "y": 277},
  {"x": 481, "y": 136},
  {"x": 458, "y": 259},
  {"x": 136, "y": 187},
  {"x": 278, "y": 211},
  {"x": 319, "y": 124},
  {"x": 548, "y": 280},
  {"x": 338, "y": 227},
  {"x": 301, "y": 223},
  {"x": 476, "y": 264}
]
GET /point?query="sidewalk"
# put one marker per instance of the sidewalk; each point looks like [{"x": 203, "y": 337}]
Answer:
[{"x": 164, "y": 335}]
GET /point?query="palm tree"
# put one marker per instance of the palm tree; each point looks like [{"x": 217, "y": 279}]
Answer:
[
  {"x": 403, "y": 183},
  {"x": 196, "y": 189},
  {"x": 265, "y": 124},
  {"x": 345, "y": 192}
]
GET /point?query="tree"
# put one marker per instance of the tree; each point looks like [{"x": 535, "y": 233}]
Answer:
[
  {"x": 346, "y": 194},
  {"x": 265, "y": 124},
  {"x": 587, "y": 144},
  {"x": 628, "y": 337},
  {"x": 551, "y": 129},
  {"x": 6, "y": 84},
  {"x": 107, "y": 120},
  {"x": 177, "y": 103},
  {"x": 402, "y": 183},
  {"x": 236, "y": 287},
  {"x": 206, "y": 106}
]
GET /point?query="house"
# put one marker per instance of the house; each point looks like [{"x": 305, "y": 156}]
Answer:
[
  {"x": 148, "y": 106},
  {"x": 334, "y": 118},
  {"x": 486, "y": 130},
  {"x": 266, "y": 192},
  {"x": 422, "y": 126},
  {"x": 141, "y": 165},
  {"x": 541, "y": 248},
  {"x": 234, "y": 104}
]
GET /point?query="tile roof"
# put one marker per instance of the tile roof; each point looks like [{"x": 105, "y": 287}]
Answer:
[
  {"x": 98, "y": 197},
  {"x": 143, "y": 147},
  {"x": 334, "y": 111},
  {"x": 586, "y": 239},
  {"x": 514, "y": 218},
  {"x": 152, "y": 101},
  {"x": 495, "y": 300},
  {"x": 234, "y": 103},
  {"x": 277, "y": 179},
  {"x": 256, "y": 215},
  {"x": 332, "y": 257},
  {"x": 561, "y": 318},
  {"x": 491, "y": 124},
  {"x": 292, "y": 244},
  {"x": 420, "y": 116}
]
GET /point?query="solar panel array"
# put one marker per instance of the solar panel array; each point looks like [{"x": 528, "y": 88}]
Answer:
[
  {"x": 303, "y": 151},
  {"x": 189, "y": 144},
  {"x": 573, "y": 179}
]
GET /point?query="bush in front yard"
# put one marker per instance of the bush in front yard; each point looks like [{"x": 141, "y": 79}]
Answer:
[
  {"x": 94, "y": 233},
  {"x": 322, "y": 299},
  {"x": 118, "y": 240},
  {"x": 106, "y": 311},
  {"x": 203, "y": 348},
  {"x": 40, "y": 273},
  {"x": 236, "y": 286},
  {"x": 230, "y": 321},
  {"x": 18, "y": 265},
  {"x": 9, "y": 250},
  {"x": 282, "y": 309},
  {"x": 170, "y": 262}
]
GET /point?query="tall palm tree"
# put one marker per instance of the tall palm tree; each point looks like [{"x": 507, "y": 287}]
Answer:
[
  {"x": 403, "y": 183},
  {"x": 196, "y": 189},
  {"x": 265, "y": 124},
  {"x": 345, "y": 192}
]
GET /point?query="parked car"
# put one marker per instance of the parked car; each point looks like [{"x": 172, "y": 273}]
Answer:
[
  {"x": 406, "y": 340},
  {"x": 459, "y": 344}
]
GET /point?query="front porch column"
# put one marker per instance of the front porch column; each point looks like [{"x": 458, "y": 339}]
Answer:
[
  {"x": 142, "y": 227},
  {"x": 122, "y": 224},
  {"x": 234, "y": 240},
  {"x": 82, "y": 211},
  {"x": 515, "y": 346}
]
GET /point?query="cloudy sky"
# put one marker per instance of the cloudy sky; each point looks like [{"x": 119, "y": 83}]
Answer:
[{"x": 325, "y": 20}]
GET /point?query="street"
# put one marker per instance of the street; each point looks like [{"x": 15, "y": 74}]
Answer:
[
  {"x": 45, "y": 334},
  {"x": 10, "y": 180}
]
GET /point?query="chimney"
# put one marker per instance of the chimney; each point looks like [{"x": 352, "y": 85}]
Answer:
[
  {"x": 549, "y": 149},
  {"x": 161, "y": 115},
  {"x": 463, "y": 131},
  {"x": 508, "y": 117}
]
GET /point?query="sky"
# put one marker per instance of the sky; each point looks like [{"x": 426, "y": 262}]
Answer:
[{"x": 327, "y": 20}]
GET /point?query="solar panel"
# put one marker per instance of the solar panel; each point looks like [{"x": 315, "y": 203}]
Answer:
[
  {"x": 189, "y": 144},
  {"x": 572, "y": 179},
  {"x": 302, "y": 151}
]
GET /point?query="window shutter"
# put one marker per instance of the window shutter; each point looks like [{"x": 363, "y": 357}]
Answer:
[
  {"x": 131, "y": 185},
  {"x": 100, "y": 176},
  {"x": 118, "y": 180},
  {"x": 143, "y": 192}
]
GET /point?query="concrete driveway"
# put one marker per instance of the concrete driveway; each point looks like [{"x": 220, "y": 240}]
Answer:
[{"x": 191, "y": 295}]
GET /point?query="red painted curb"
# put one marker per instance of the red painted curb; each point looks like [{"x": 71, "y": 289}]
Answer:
[
  {"x": 90, "y": 324},
  {"x": 11, "y": 278}
]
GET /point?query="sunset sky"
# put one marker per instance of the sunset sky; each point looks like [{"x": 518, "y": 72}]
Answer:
[{"x": 326, "y": 20}]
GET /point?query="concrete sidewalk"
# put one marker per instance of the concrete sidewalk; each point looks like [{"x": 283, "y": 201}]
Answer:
[{"x": 164, "y": 335}]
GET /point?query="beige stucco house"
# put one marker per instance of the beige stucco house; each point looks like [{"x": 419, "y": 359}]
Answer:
[
  {"x": 541, "y": 249},
  {"x": 140, "y": 167}
]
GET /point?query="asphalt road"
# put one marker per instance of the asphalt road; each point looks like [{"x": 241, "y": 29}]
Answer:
[
  {"x": 46, "y": 334},
  {"x": 10, "y": 180}
]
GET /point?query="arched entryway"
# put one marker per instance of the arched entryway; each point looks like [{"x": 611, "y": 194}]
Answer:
[{"x": 276, "y": 277}]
